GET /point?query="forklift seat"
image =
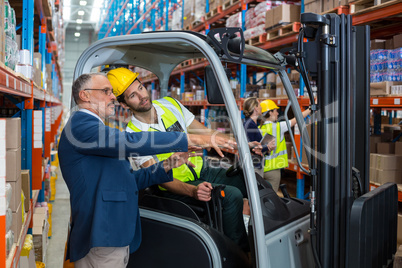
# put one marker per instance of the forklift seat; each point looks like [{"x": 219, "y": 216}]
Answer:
[{"x": 209, "y": 213}]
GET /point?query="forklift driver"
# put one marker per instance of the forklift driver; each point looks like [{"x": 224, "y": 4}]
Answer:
[{"x": 165, "y": 115}]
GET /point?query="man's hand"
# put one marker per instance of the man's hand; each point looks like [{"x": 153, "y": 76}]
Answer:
[
  {"x": 211, "y": 141},
  {"x": 256, "y": 147},
  {"x": 271, "y": 145},
  {"x": 178, "y": 159},
  {"x": 202, "y": 191}
]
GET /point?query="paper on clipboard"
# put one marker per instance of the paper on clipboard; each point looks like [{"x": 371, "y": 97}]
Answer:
[{"x": 267, "y": 139}]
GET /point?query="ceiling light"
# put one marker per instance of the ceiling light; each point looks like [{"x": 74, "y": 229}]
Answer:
[
  {"x": 114, "y": 29},
  {"x": 81, "y": 12},
  {"x": 83, "y": 3},
  {"x": 79, "y": 21},
  {"x": 117, "y": 22},
  {"x": 78, "y": 28},
  {"x": 77, "y": 34}
]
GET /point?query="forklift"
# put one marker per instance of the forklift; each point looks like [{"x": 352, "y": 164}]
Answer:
[{"x": 343, "y": 223}]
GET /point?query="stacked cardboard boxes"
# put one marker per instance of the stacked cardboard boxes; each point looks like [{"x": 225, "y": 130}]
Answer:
[
  {"x": 13, "y": 171},
  {"x": 385, "y": 168},
  {"x": 40, "y": 230},
  {"x": 282, "y": 15}
]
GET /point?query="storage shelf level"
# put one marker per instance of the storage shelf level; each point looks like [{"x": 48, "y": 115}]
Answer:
[{"x": 15, "y": 252}]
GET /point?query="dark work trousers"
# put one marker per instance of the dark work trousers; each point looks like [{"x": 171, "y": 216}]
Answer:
[{"x": 232, "y": 205}]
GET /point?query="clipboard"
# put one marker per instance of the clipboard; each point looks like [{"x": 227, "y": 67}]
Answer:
[{"x": 267, "y": 139}]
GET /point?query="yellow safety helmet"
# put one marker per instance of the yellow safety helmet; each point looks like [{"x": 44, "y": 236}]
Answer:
[
  {"x": 121, "y": 79},
  {"x": 268, "y": 105}
]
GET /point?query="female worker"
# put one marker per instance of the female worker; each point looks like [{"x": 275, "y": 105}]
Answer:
[
  {"x": 252, "y": 113},
  {"x": 278, "y": 158}
]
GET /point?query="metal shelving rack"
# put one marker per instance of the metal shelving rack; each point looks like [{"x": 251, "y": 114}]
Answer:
[{"x": 32, "y": 102}]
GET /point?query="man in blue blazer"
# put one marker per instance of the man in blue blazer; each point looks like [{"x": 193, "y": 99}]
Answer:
[{"x": 105, "y": 226}]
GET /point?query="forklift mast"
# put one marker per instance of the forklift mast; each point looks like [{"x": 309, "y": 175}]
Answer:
[{"x": 337, "y": 57}]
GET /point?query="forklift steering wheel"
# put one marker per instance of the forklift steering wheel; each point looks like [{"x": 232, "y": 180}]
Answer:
[{"x": 234, "y": 170}]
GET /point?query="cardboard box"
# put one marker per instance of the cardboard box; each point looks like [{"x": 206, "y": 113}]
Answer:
[
  {"x": 313, "y": 7},
  {"x": 389, "y": 44},
  {"x": 269, "y": 19},
  {"x": 15, "y": 200},
  {"x": 266, "y": 93},
  {"x": 286, "y": 14},
  {"x": 13, "y": 164},
  {"x": 397, "y": 39},
  {"x": 386, "y": 148},
  {"x": 382, "y": 88},
  {"x": 389, "y": 162},
  {"x": 16, "y": 225},
  {"x": 13, "y": 133},
  {"x": 377, "y": 44},
  {"x": 398, "y": 148},
  {"x": 309, "y": 1},
  {"x": 384, "y": 176},
  {"x": 26, "y": 188},
  {"x": 373, "y": 160},
  {"x": 373, "y": 175},
  {"x": 327, "y": 5},
  {"x": 373, "y": 143},
  {"x": 399, "y": 234}
]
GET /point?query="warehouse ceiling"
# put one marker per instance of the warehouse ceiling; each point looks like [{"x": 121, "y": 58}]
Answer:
[{"x": 81, "y": 14}]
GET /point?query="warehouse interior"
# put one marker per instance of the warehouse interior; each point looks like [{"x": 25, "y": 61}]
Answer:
[{"x": 44, "y": 39}]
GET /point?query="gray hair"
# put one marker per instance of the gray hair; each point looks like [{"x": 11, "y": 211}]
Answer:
[{"x": 81, "y": 83}]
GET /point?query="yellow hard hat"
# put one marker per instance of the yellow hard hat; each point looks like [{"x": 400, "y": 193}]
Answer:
[
  {"x": 121, "y": 79},
  {"x": 268, "y": 105}
]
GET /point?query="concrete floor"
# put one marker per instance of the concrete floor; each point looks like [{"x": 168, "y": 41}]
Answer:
[{"x": 60, "y": 219}]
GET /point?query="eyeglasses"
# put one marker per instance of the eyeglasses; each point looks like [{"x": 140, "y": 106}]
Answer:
[{"x": 107, "y": 91}]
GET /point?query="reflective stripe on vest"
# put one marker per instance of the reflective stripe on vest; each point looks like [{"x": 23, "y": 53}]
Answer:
[
  {"x": 182, "y": 173},
  {"x": 278, "y": 158}
]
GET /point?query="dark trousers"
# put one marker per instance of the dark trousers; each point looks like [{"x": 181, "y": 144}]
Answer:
[{"x": 232, "y": 205}]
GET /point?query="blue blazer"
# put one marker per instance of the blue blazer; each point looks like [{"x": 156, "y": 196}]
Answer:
[{"x": 103, "y": 187}]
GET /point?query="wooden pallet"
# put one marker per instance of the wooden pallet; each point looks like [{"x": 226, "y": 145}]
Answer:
[
  {"x": 197, "y": 23},
  {"x": 196, "y": 61},
  {"x": 258, "y": 40},
  {"x": 283, "y": 31},
  {"x": 213, "y": 12},
  {"x": 364, "y": 6},
  {"x": 227, "y": 4},
  {"x": 338, "y": 10},
  {"x": 185, "y": 63}
]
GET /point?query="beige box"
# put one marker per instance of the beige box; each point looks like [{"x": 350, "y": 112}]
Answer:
[
  {"x": 13, "y": 164},
  {"x": 398, "y": 148},
  {"x": 309, "y": 1},
  {"x": 15, "y": 200},
  {"x": 384, "y": 176},
  {"x": 377, "y": 44},
  {"x": 313, "y": 7},
  {"x": 269, "y": 19},
  {"x": 389, "y": 162},
  {"x": 13, "y": 133},
  {"x": 373, "y": 175},
  {"x": 286, "y": 13},
  {"x": 327, "y": 5},
  {"x": 382, "y": 88},
  {"x": 373, "y": 160},
  {"x": 399, "y": 235},
  {"x": 386, "y": 148},
  {"x": 397, "y": 39},
  {"x": 266, "y": 93},
  {"x": 16, "y": 225},
  {"x": 40, "y": 210},
  {"x": 26, "y": 188}
]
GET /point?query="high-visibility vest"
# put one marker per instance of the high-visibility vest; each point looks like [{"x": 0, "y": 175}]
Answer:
[
  {"x": 277, "y": 158},
  {"x": 183, "y": 173}
]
